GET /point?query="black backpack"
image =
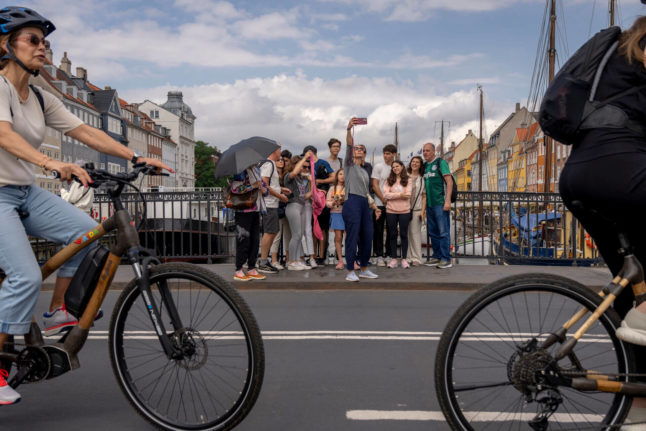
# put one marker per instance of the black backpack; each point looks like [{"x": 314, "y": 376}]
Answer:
[
  {"x": 454, "y": 189},
  {"x": 568, "y": 105}
]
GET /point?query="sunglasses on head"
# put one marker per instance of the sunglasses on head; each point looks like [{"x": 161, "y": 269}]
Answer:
[{"x": 33, "y": 39}]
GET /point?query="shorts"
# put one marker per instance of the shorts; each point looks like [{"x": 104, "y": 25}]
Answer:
[
  {"x": 336, "y": 221},
  {"x": 270, "y": 221},
  {"x": 324, "y": 219}
]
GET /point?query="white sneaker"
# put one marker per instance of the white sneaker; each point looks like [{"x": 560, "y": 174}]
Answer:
[
  {"x": 633, "y": 328},
  {"x": 278, "y": 266},
  {"x": 352, "y": 276},
  {"x": 311, "y": 263},
  {"x": 296, "y": 266},
  {"x": 367, "y": 274},
  {"x": 58, "y": 321},
  {"x": 8, "y": 395},
  {"x": 381, "y": 261}
]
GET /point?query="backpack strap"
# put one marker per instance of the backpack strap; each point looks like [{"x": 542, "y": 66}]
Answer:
[{"x": 39, "y": 96}]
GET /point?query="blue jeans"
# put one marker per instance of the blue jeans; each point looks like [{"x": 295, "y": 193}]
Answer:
[
  {"x": 357, "y": 218},
  {"x": 439, "y": 231},
  {"x": 51, "y": 218}
]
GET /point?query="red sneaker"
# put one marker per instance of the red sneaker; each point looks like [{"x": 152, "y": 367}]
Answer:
[{"x": 8, "y": 395}]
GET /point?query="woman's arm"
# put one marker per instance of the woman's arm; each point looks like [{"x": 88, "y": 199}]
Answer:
[
  {"x": 407, "y": 190},
  {"x": 299, "y": 166},
  {"x": 100, "y": 141},
  {"x": 14, "y": 144}
]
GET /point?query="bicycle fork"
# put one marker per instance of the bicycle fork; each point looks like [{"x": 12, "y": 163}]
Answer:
[{"x": 141, "y": 268}]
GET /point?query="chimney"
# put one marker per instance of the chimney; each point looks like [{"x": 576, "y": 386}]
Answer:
[
  {"x": 49, "y": 54},
  {"x": 517, "y": 106},
  {"x": 66, "y": 64},
  {"x": 81, "y": 72},
  {"x": 470, "y": 132},
  {"x": 107, "y": 87}
]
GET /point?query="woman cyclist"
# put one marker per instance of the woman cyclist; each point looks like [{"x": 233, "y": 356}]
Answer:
[
  {"x": 606, "y": 171},
  {"x": 26, "y": 209}
]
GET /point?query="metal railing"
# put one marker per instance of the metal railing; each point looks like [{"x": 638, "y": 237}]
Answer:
[
  {"x": 530, "y": 228},
  {"x": 519, "y": 228}
]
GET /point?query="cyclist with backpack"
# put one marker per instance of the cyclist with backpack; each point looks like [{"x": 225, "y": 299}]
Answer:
[
  {"x": 437, "y": 178},
  {"x": 606, "y": 171},
  {"x": 26, "y": 209}
]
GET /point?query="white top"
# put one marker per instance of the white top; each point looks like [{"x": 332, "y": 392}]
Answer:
[
  {"x": 30, "y": 123},
  {"x": 381, "y": 171},
  {"x": 265, "y": 171}
]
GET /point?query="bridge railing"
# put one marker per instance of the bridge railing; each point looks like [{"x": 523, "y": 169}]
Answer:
[{"x": 501, "y": 227}]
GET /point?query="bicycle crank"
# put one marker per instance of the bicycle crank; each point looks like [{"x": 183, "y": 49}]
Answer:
[{"x": 33, "y": 365}]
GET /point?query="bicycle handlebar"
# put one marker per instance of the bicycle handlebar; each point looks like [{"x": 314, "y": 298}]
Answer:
[{"x": 101, "y": 176}]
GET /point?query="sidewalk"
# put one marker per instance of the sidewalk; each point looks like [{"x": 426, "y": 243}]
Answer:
[{"x": 461, "y": 277}]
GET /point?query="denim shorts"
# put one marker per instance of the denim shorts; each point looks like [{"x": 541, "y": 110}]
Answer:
[{"x": 49, "y": 217}]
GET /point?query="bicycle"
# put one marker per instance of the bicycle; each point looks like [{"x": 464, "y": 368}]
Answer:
[
  {"x": 505, "y": 360},
  {"x": 184, "y": 346}
]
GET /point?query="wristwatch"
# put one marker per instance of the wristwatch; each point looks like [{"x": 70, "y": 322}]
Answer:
[{"x": 135, "y": 156}]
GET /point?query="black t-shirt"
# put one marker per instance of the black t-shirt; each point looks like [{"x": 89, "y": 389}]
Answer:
[{"x": 617, "y": 77}]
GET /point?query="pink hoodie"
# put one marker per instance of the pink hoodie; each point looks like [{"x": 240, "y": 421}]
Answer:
[{"x": 395, "y": 204}]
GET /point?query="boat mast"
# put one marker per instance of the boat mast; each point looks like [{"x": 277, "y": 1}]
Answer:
[
  {"x": 480, "y": 141},
  {"x": 397, "y": 142},
  {"x": 552, "y": 58},
  {"x": 612, "y": 12}
]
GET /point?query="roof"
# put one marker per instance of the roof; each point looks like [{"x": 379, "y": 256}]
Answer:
[{"x": 62, "y": 76}]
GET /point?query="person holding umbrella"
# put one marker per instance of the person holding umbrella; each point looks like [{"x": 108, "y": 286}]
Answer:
[{"x": 245, "y": 196}]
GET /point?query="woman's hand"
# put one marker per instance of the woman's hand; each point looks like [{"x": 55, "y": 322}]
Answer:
[
  {"x": 353, "y": 122},
  {"x": 155, "y": 163},
  {"x": 285, "y": 191},
  {"x": 66, "y": 171},
  {"x": 308, "y": 195}
]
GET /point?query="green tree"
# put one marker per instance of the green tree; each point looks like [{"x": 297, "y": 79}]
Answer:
[{"x": 205, "y": 165}]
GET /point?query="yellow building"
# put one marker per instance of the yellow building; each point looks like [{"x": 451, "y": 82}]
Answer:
[
  {"x": 463, "y": 175},
  {"x": 516, "y": 177}
]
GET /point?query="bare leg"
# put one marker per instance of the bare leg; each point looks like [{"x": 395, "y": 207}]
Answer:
[
  {"x": 265, "y": 244},
  {"x": 58, "y": 297},
  {"x": 338, "y": 243}
]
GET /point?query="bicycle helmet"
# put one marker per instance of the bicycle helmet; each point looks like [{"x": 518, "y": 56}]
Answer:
[{"x": 13, "y": 18}]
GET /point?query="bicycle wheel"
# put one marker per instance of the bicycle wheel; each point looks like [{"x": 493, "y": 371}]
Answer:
[
  {"x": 218, "y": 381},
  {"x": 480, "y": 375}
]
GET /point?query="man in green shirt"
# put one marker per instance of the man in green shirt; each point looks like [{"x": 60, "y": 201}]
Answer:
[{"x": 438, "y": 206}]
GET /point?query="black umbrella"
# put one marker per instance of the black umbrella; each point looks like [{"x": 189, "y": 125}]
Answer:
[{"x": 244, "y": 154}]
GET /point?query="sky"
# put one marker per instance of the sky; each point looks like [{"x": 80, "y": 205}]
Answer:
[{"x": 296, "y": 71}]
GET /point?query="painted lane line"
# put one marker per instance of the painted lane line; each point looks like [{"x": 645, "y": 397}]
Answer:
[
  {"x": 421, "y": 415},
  {"x": 350, "y": 335}
]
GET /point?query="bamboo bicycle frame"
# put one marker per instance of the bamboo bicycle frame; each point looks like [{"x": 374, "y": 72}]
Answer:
[
  {"x": 126, "y": 238},
  {"x": 631, "y": 274}
]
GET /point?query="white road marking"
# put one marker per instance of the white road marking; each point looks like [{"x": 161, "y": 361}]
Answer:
[
  {"x": 350, "y": 335},
  {"x": 421, "y": 415}
]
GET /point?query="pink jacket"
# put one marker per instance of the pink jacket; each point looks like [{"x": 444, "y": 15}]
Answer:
[{"x": 395, "y": 204}]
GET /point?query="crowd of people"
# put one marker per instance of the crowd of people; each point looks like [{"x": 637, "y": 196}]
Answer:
[{"x": 361, "y": 202}]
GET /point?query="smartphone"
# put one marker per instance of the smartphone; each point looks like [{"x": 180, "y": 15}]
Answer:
[{"x": 362, "y": 120}]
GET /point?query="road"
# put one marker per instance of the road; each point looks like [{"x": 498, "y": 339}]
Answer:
[{"x": 335, "y": 360}]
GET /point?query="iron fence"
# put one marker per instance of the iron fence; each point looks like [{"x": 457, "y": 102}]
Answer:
[{"x": 530, "y": 228}]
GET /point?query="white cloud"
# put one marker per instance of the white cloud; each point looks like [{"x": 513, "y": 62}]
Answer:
[
  {"x": 474, "y": 81},
  {"x": 298, "y": 110},
  {"x": 271, "y": 26},
  {"x": 420, "y": 10}
]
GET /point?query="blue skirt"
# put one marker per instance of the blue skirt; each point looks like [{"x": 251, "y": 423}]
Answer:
[{"x": 336, "y": 221}]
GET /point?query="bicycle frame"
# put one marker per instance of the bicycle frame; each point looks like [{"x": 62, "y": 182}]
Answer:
[
  {"x": 631, "y": 274},
  {"x": 64, "y": 352}
]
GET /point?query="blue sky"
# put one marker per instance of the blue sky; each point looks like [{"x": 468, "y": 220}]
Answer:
[{"x": 296, "y": 71}]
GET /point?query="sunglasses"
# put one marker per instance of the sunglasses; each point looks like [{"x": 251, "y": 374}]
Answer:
[
  {"x": 33, "y": 39},
  {"x": 360, "y": 149}
]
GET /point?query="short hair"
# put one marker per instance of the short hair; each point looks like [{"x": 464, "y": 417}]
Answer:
[
  {"x": 332, "y": 141},
  {"x": 390, "y": 148},
  {"x": 311, "y": 148},
  {"x": 286, "y": 153}
]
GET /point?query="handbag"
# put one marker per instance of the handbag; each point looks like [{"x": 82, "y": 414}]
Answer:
[
  {"x": 419, "y": 192},
  {"x": 241, "y": 201},
  {"x": 371, "y": 200}
]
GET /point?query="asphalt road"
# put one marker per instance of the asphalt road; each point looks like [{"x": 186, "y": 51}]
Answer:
[{"x": 335, "y": 360}]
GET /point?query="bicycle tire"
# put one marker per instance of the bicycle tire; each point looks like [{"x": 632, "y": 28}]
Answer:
[
  {"x": 207, "y": 391},
  {"x": 481, "y": 336}
]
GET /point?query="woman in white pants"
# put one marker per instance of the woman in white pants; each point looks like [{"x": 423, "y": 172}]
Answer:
[{"x": 418, "y": 208}]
